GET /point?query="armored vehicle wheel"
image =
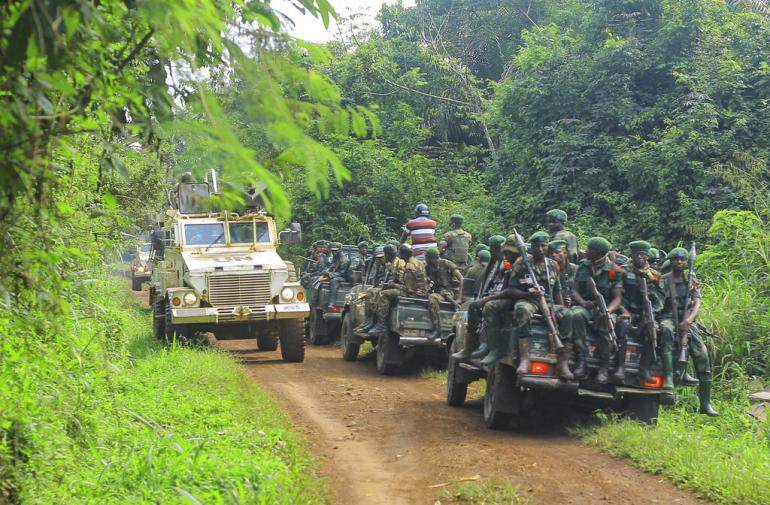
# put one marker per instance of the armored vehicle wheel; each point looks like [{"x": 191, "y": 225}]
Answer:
[
  {"x": 314, "y": 326},
  {"x": 136, "y": 284},
  {"x": 456, "y": 392},
  {"x": 387, "y": 346},
  {"x": 168, "y": 330},
  {"x": 292, "y": 336},
  {"x": 349, "y": 349},
  {"x": 266, "y": 339},
  {"x": 643, "y": 408},
  {"x": 500, "y": 391},
  {"x": 159, "y": 319}
]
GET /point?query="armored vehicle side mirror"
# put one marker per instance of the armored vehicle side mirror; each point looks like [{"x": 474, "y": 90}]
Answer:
[{"x": 292, "y": 234}]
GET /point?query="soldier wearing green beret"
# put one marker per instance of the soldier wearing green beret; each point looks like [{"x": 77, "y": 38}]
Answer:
[
  {"x": 338, "y": 271},
  {"x": 609, "y": 283},
  {"x": 445, "y": 281},
  {"x": 557, "y": 220},
  {"x": 455, "y": 243},
  {"x": 526, "y": 305},
  {"x": 360, "y": 262},
  {"x": 476, "y": 270},
  {"x": 674, "y": 290},
  {"x": 557, "y": 250}
]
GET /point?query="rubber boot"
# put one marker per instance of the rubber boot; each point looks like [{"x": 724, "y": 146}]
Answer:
[
  {"x": 620, "y": 356},
  {"x": 704, "y": 395},
  {"x": 523, "y": 356},
  {"x": 603, "y": 375},
  {"x": 377, "y": 330},
  {"x": 668, "y": 370},
  {"x": 688, "y": 380},
  {"x": 471, "y": 342},
  {"x": 481, "y": 351},
  {"x": 581, "y": 367},
  {"x": 366, "y": 326},
  {"x": 493, "y": 341},
  {"x": 644, "y": 364},
  {"x": 434, "y": 335},
  {"x": 562, "y": 362}
]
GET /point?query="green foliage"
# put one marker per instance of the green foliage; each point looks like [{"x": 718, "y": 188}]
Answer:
[{"x": 484, "y": 492}]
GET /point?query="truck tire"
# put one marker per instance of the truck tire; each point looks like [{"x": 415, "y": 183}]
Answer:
[
  {"x": 136, "y": 284},
  {"x": 314, "y": 325},
  {"x": 500, "y": 385},
  {"x": 349, "y": 349},
  {"x": 266, "y": 339},
  {"x": 456, "y": 392},
  {"x": 643, "y": 408},
  {"x": 292, "y": 271},
  {"x": 159, "y": 319},
  {"x": 387, "y": 346},
  {"x": 292, "y": 338}
]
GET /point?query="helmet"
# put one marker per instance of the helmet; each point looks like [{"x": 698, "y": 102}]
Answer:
[{"x": 421, "y": 210}]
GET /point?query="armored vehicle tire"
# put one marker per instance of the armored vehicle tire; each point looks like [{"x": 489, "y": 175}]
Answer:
[
  {"x": 349, "y": 349},
  {"x": 168, "y": 330},
  {"x": 136, "y": 284},
  {"x": 500, "y": 388},
  {"x": 456, "y": 392},
  {"x": 387, "y": 346},
  {"x": 159, "y": 319},
  {"x": 266, "y": 340},
  {"x": 292, "y": 336},
  {"x": 643, "y": 408}
]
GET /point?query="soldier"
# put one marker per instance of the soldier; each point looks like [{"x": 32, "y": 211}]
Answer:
[
  {"x": 422, "y": 229},
  {"x": 361, "y": 261},
  {"x": 476, "y": 270},
  {"x": 526, "y": 305},
  {"x": 609, "y": 283},
  {"x": 674, "y": 290},
  {"x": 557, "y": 219},
  {"x": 445, "y": 280},
  {"x": 383, "y": 264},
  {"x": 557, "y": 250},
  {"x": 338, "y": 271},
  {"x": 486, "y": 283},
  {"x": 455, "y": 243},
  {"x": 633, "y": 312},
  {"x": 409, "y": 279}
]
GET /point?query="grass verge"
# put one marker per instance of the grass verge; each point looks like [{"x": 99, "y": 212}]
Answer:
[
  {"x": 476, "y": 390},
  {"x": 487, "y": 492}
]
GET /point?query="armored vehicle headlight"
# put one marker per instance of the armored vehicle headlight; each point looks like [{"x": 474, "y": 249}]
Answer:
[
  {"x": 140, "y": 269},
  {"x": 287, "y": 294},
  {"x": 190, "y": 298}
]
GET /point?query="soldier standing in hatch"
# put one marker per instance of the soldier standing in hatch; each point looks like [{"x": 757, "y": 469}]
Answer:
[
  {"x": 557, "y": 219},
  {"x": 456, "y": 243},
  {"x": 445, "y": 280},
  {"x": 609, "y": 283},
  {"x": 674, "y": 290}
]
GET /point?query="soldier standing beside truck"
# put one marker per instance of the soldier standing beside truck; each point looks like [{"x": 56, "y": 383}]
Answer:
[
  {"x": 445, "y": 281},
  {"x": 456, "y": 243}
]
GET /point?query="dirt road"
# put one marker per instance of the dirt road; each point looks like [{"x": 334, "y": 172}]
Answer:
[{"x": 389, "y": 439}]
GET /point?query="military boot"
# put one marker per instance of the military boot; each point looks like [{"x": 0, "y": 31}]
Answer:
[
  {"x": 704, "y": 395},
  {"x": 644, "y": 365},
  {"x": 493, "y": 341},
  {"x": 668, "y": 370},
  {"x": 620, "y": 356},
  {"x": 523, "y": 356},
  {"x": 481, "y": 351},
  {"x": 562, "y": 362},
  {"x": 688, "y": 380},
  {"x": 603, "y": 374},
  {"x": 378, "y": 329},
  {"x": 366, "y": 326},
  {"x": 471, "y": 342},
  {"x": 581, "y": 366}
]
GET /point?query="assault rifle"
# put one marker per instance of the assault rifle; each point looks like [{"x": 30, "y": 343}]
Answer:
[
  {"x": 684, "y": 338},
  {"x": 649, "y": 317},
  {"x": 553, "y": 330},
  {"x": 605, "y": 314}
]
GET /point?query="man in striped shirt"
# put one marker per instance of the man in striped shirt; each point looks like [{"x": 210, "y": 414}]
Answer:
[{"x": 422, "y": 229}]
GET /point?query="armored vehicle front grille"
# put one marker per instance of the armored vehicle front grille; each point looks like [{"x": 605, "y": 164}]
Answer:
[{"x": 243, "y": 289}]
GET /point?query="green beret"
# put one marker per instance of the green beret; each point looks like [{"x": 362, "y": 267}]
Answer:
[
  {"x": 379, "y": 252},
  {"x": 678, "y": 252},
  {"x": 496, "y": 240},
  {"x": 484, "y": 255},
  {"x": 653, "y": 253},
  {"x": 640, "y": 246},
  {"x": 324, "y": 243},
  {"x": 363, "y": 244},
  {"x": 557, "y": 215},
  {"x": 481, "y": 247},
  {"x": 556, "y": 244},
  {"x": 599, "y": 244},
  {"x": 510, "y": 244},
  {"x": 539, "y": 236},
  {"x": 335, "y": 246},
  {"x": 456, "y": 217},
  {"x": 393, "y": 242},
  {"x": 432, "y": 252}
]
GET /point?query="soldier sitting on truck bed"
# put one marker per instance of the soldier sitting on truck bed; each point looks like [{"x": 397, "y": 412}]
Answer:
[
  {"x": 338, "y": 271},
  {"x": 361, "y": 261},
  {"x": 384, "y": 258},
  {"x": 445, "y": 280},
  {"x": 557, "y": 250}
]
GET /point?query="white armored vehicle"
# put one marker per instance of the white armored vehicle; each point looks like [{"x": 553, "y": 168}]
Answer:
[{"x": 219, "y": 271}]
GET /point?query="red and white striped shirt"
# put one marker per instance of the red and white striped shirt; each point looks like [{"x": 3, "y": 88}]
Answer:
[{"x": 423, "y": 232}]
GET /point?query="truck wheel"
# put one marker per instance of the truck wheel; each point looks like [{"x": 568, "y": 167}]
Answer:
[
  {"x": 159, "y": 319},
  {"x": 314, "y": 325},
  {"x": 456, "y": 392},
  {"x": 643, "y": 408},
  {"x": 349, "y": 349},
  {"x": 266, "y": 340},
  {"x": 500, "y": 381},
  {"x": 136, "y": 284},
  {"x": 387, "y": 346},
  {"x": 292, "y": 339}
]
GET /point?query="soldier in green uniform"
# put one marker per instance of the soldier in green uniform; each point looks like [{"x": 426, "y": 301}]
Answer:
[
  {"x": 477, "y": 269},
  {"x": 609, "y": 282},
  {"x": 487, "y": 282},
  {"x": 455, "y": 244},
  {"x": 445, "y": 281},
  {"x": 557, "y": 250},
  {"x": 338, "y": 271},
  {"x": 674, "y": 290},
  {"x": 632, "y": 308},
  {"x": 383, "y": 261},
  {"x": 361, "y": 260},
  {"x": 526, "y": 303},
  {"x": 557, "y": 220},
  {"x": 409, "y": 279}
]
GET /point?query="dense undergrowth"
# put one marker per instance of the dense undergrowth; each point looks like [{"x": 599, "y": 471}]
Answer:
[{"x": 92, "y": 410}]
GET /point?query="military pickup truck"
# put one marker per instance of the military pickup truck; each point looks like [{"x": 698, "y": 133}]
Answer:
[
  {"x": 509, "y": 399},
  {"x": 219, "y": 271},
  {"x": 409, "y": 327},
  {"x": 141, "y": 266}
]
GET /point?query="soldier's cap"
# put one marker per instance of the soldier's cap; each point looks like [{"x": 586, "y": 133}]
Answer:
[
  {"x": 484, "y": 255},
  {"x": 389, "y": 249},
  {"x": 405, "y": 247},
  {"x": 456, "y": 218},
  {"x": 553, "y": 245},
  {"x": 640, "y": 246},
  {"x": 324, "y": 243},
  {"x": 363, "y": 243},
  {"x": 433, "y": 252},
  {"x": 510, "y": 245},
  {"x": 335, "y": 246},
  {"x": 599, "y": 244},
  {"x": 496, "y": 241},
  {"x": 393, "y": 242},
  {"x": 539, "y": 236},
  {"x": 481, "y": 247},
  {"x": 557, "y": 215},
  {"x": 379, "y": 252},
  {"x": 678, "y": 252},
  {"x": 653, "y": 253}
]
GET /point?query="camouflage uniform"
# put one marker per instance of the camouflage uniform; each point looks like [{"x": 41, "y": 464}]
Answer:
[
  {"x": 633, "y": 302},
  {"x": 455, "y": 245},
  {"x": 524, "y": 308},
  {"x": 444, "y": 286},
  {"x": 338, "y": 272},
  {"x": 388, "y": 296},
  {"x": 476, "y": 272},
  {"x": 572, "y": 243}
]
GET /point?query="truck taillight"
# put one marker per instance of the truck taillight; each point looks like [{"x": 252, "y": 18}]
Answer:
[
  {"x": 538, "y": 367},
  {"x": 655, "y": 383}
]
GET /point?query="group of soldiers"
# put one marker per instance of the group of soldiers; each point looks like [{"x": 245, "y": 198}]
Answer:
[{"x": 551, "y": 277}]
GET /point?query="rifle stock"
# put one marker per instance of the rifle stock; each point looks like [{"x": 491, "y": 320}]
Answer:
[
  {"x": 602, "y": 305},
  {"x": 649, "y": 316}
]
